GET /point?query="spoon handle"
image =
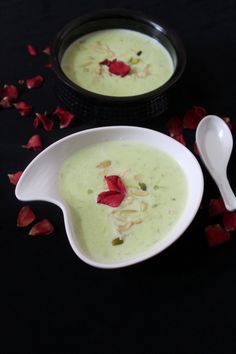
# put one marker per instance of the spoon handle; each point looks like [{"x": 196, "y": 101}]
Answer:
[{"x": 227, "y": 193}]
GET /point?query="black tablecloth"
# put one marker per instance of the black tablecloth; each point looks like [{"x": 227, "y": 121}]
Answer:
[{"x": 181, "y": 301}]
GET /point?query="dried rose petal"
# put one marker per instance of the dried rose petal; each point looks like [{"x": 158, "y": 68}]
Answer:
[
  {"x": 31, "y": 50},
  {"x": 229, "y": 220},
  {"x": 25, "y": 216},
  {"x": 43, "y": 227},
  {"x": 228, "y": 121},
  {"x": 174, "y": 126},
  {"x": 34, "y": 143},
  {"x": 193, "y": 116},
  {"x": 115, "y": 184},
  {"x": 180, "y": 139},
  {"x": 64, "y": 116},
  {"x": 34, "y": 82},
  {"x": 216, "y": 235},
  {"x": 14, "y": 177},
  {"x": 46, "y": 122},
  {"x": 117, "y": 67},
  {"x": 23, "y": 108},
  {"x": 110, "y": 198},
  {"x": 8, "y": 94},
  {"x": 216, "y": 207},
  {"x": 47, "y": 50}
]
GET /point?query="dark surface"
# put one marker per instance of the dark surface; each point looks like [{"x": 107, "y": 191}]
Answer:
[{"x": 182, "y": 301}]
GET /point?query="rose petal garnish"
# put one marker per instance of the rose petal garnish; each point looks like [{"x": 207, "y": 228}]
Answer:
[
  {"x": 115, "y": 184},
  {"x": 117, "y": 67},
  {"x": 180, "y": 139},
  {"x": 34, "y": 143},
  {"x": 193, "y": 116},
  {"x": 174, "y": 126},
  {"x": 110, "y": 198},
  {"x": 14, "y": 177},
  {"x": 227, "y": 120},
  {"x": 216, "y": 235},
  {"x": 216, "y": 207},
  {"x": 116, "y": 193},
  {"x": 47, "y": 50},
  {"x": 34, "y": 82},
  {"x": 23, "y": 108},
  {"x": 229, "y": 220},
  {"x": 31, "y": 50},
  {"x": 46, "y": 122},
  {"x": 43, "y": 227},
  {"x": 8, "y": 94},
  {"x": 25, "y": 216},
  {"x": 65, "y": 117}
]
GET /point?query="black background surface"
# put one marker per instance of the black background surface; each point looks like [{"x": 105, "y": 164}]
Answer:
[{"x": 182, "y": 301}]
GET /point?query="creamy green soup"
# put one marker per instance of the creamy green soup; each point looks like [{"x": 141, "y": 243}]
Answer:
[
  {"x": 156, "y": 191},
  {"x": 150, "y": 63}
]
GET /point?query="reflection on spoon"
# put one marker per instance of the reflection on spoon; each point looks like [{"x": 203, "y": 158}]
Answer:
[{"x": 214, "y": 142}]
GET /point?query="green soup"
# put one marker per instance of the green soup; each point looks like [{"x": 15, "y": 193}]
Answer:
[
  {"x": 150, "y": 63},
  {"x": 156, "y": 191}
]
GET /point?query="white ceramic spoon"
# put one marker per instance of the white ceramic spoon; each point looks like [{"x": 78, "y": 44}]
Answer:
[{"x": 214, "y": 142}]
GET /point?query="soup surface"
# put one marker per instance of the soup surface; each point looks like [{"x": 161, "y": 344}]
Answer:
[
  {"x": 146, "y": 64},
  {"x": 156, "y": 191}
]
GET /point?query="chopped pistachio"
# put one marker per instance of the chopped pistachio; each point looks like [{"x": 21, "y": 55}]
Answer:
[
  {"x": 139, "y": 52},
  {"x": 154, "y": 206},
  {"x": 104, "y": 164},
  {"x": 142, "y": 186},
  {"x": 155, "y": 187},
  {"x": 133, "y": 61},
  {"x": 117, "y": 241},
  {"x": 89, "y": 191}
]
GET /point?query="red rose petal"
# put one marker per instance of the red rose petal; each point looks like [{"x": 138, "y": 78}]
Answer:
[
  {"x": 110, "y": 198},
  {"x": 34, "y": 143},
  {"x": 216, "y": 207},
  {"x": 229, "y": 220},
  {"x": 174, "y": 126},
  {"x": 46, "y": 122},
  {"x": 25, "y": 216},
  {"x": 23, "y": 108},
  {"x": 193, "y": 116},
  {"x": 115, "y": 184},
  {"x": 43, "y": 227},
  {"x": 31, "y": 50},
  {"x": 117, "y": 67},
  {"x": 216, "y": 235},
  {"x": 180, "y": 139},
  {"x": 34, "y": 82},
  {"x": 47, "y": 50},
  {"x": 65, "y": 117},
  {"x": 8, "y": 94},
  {"x": 14, "y": 177},
  {"x": 227, "y": 120}
]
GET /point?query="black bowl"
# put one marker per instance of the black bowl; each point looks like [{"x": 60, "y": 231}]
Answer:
[{"x": 110, "y": 109}]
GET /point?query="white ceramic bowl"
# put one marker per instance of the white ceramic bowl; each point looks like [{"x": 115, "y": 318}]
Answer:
[{"x": 40, "y": 181}]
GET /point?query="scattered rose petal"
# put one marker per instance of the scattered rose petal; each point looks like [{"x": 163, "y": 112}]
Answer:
[
  {"x": 180, "y": 139},
  {"x": 216, "y": 207},
  {"x": 21, "y": 82},
  {"x": 43, "y": 227},
  {"x": 23, "y": 108},
  {"x": 31, "y": 50},
  {"x": 228, "y": 121},
  {"x": 46, "y": 122},
  {"x": 34, "y": 143},
  {"x": 193, "y": 116},
  {"x": 34, "y": 82},
  {"x": 115, "y": 184},
  {"x": 117, "y": 67},
  {"x": 229, "y": 220},
  {"x": 14, "y": 177},
  {"x": 47, "y": 50},
  {"x": 48, "y": 66},
  {"x": 65, "y": 117},
  {"x": 174, "y": 126},
  {"x": 25, "y": 216},
  {"x": 216, "y": 235},
  {"x": 110, "y": 198},
  {"x": 8, "y": 94}
]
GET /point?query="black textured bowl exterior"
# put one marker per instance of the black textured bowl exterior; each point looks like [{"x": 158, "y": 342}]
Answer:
[{"x": 89, "y": 105}]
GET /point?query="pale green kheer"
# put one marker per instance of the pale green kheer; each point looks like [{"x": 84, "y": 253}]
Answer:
[
  {"x": 150, "y": 63},
  {"x": 156, "y": 194}
]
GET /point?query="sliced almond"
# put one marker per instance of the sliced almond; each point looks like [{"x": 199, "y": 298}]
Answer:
[
  {"x": 139, "y": 193},
  {"x": 124, "y": 227},
  {"x": 86, "y": 64},
  {"x": 137, "y": 221},
  {"x": 143, "y": 206},
  {"x": 104, "y": 164},
  {"x": 138, "y": 178}
]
